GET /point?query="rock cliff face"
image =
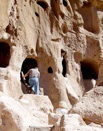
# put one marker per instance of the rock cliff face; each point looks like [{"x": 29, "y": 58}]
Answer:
[{"x": 65, "y": 39}]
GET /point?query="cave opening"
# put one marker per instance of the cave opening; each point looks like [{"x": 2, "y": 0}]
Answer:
[
  {"x": 28, "y": 63},
  {"x": 4, "y": 54},
  {"x": 89, "y": 70}
]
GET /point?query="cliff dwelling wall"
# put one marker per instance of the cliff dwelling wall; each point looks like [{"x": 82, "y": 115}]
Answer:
[{"x": 37, "y": 31}]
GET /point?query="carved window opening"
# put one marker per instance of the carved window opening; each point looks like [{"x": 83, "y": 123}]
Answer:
[
  {"x": 89, "y": 69},
  {"x": 63, "y": 53},
  {"x": 43, "y": 4},
  {"x": 28, "y": 64},
  {"x": 90, "y": 17},
  {"x": 50, "y": 70},
  {"x": 64, "y": 67},
  {"x": 4, "y": 54}
]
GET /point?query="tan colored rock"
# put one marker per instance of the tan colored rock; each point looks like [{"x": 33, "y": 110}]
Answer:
[
  {"x": 53, "y": 118},
  {"x": 13, "y": 115},
  {"x": 35, "y": 103},
  {"x": 19, "y": 115},
  {"x": 8, "y": 86},
  {"x": 39, "y": 30},
  {"x": 90, "y": 106},
  {"x": 73, "y": 122}
]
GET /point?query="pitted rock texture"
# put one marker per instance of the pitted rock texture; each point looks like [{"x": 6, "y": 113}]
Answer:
[{"x": 63, "y": 37}]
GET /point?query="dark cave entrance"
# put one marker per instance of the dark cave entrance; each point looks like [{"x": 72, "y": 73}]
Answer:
[
  {"x": 4, "y": 54},
  {"x": 64, "y": 67},
  {"x": 89, "y": 70},
  {"x": 28, "y": 63},
  {"x": 63, "y": 54}
]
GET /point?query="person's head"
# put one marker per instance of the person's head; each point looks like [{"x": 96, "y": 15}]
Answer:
[{"x": 62, "y": 104}]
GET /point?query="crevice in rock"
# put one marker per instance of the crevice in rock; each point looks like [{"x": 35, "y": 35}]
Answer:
[
  {"x": 36, "y": 14},
  {"x": 64, "y": 28},
  {"x": 62, "y": 15},
  {"x": 15, "y": 2},
  {"x": 64, "y": 2},
  {"x": 64, "y": 67},
  {"x": 55, "y": 8},
  {"x": 63, "y": 53},
  {"x": 43, "y": 4},
  {"x": 4, "y": 54}
]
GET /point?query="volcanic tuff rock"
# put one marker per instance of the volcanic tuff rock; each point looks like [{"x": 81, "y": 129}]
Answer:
[{"x": 65, "y": 39}]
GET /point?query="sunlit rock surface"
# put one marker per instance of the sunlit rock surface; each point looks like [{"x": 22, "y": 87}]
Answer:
[{"x": 65, "y": 39}]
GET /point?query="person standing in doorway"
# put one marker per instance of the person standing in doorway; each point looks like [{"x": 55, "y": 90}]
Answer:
[{"x": 34, "y": 76}]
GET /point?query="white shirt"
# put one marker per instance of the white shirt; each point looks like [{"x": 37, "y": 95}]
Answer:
[{"x": 33, "y": 73}]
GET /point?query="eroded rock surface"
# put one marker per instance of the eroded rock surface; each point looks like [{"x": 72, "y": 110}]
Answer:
[
  {"x": 64, "y": 38},
  {"x": 90, "y": 107}
]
